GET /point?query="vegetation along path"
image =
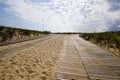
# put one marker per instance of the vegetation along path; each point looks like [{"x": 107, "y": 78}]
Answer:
[{"x": 81, "y": 60}]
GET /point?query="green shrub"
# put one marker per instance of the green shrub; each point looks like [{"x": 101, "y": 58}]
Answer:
[
  {"x": 110, "y": 39},
  {"x": 7, "y": 33},
  {"x": 4, "y": 36}
]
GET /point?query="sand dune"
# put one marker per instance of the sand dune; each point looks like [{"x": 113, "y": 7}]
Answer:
[{"x": 35, "y": 63}]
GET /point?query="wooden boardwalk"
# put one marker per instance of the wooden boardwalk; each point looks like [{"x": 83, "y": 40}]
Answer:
[
  {"x": 82, "y": 60},
  {"x": 25, "y": 46}
]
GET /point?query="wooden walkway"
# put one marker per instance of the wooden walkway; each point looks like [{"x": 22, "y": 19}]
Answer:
[
  {"x": 25, "y": 46},
  {"x": 82, "y": 60}
]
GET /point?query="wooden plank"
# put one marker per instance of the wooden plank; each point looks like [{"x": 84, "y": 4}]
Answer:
[{"x": 82, "y": 60}]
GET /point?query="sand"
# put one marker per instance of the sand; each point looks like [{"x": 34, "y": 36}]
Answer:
[
  {"x": 35, "y": 63},
  {"x": 16, "y": 44}
]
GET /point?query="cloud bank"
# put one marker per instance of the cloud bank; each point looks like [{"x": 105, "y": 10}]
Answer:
[{"x": 68, "y": 15}]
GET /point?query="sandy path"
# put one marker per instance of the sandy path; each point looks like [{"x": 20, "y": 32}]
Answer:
[
  {"x": 34, "y": 63},
  {"x": 81, "y": 60}
]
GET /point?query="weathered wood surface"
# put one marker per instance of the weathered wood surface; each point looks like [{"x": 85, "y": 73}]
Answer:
[
  {"x": 25, "y": 46},
  {"x": 82, "y": 60}
]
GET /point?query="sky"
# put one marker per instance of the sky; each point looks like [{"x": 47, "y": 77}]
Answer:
[{"x": 61, "y": 15}]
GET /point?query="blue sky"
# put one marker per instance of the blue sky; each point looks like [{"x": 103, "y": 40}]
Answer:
[{"x": 61, "y": 15}]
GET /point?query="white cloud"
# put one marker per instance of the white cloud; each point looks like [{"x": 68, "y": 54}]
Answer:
[
  {"x": 65, "y": 15},
  {"x": 118, "y": 25}
]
